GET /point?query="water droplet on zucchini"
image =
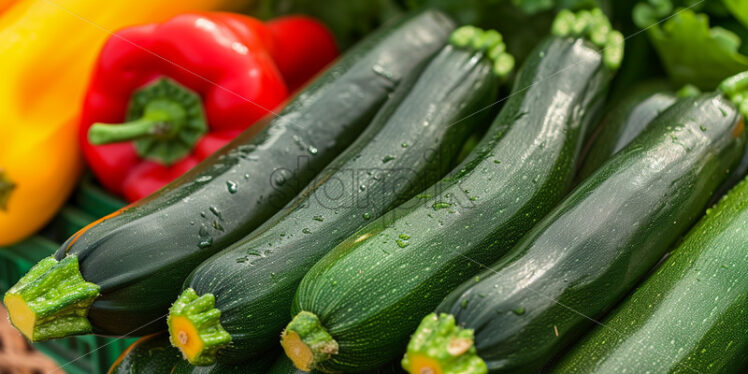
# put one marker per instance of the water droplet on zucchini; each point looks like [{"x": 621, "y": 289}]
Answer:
[
  {"x": 231, "y": 186},
  {"x": 205, "y": 243},
  {"x": 440, "y": 205}
]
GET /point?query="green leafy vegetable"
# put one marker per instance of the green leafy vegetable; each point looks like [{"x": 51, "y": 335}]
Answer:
[
  {"x": 692, "y": 51},
  {"x": 738, "y": 9}
]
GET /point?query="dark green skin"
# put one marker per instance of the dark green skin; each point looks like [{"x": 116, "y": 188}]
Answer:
[
  {"x": 625, "y": 121},
  {"x": 593, "y": 248},
  {"x": 370, "y": 293},
  {"x": 150, "y": 355},
  {"x": 284, "y": 366},
  {"x": 155, "y": 355},
  {"x": 254, "y": 280},
  {"x": 738, "y": 174},
  {"x": 255, "y": 366},
  {"x": 141, "y": 257},
  {"x": 691, "y": 316}
]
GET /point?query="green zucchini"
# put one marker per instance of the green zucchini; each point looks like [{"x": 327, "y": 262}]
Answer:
[
  {"x": 355, "y": 309},
  {"x": 131, "y": 265},
  {"x": 625, "y": 120},
  {"x": 284, "y": 366},
  {"x": 589, "y": 251},
  {"x": 242, "y": 296},
  {"x": 151, "y": 354},
  {"x": 689, "y": 316},
  {"x": 260, "y": 365},
  {"x": 735, "y": 177}
]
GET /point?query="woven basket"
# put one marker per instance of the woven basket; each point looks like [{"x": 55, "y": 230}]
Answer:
[{"x": 17, "y": 356}]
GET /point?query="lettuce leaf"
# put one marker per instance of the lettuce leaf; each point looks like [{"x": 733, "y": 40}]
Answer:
[
  {"x": 738, "y": 9},
  {"x": 692, "y": 51},
  {"x": 535, "y": 6}
]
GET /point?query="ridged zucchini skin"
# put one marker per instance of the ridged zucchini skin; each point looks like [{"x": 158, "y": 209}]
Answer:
[
  {"x": 149, "y": 355},
  {"x": 407, "y": 147},
  {"x": 153, "y": 354},
  {"x": 259, "y": 365},
  {"x": 284, "y": 366},
  {"x": 141, "y": 255},
  {"x": 738, "y": 174},
  {"x": 691, "y": 316},
  {"x": 372, "y": 289},
  {"x": 626, "y": 119},
  {"x": 593, "y": 248}
]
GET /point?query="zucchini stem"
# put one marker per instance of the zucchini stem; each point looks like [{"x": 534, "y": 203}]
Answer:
[
  {"x": 736, "y": 89},
  {"x": 688, "y": 90},
  {"x": 439, "y": 346},
  {"x": 650, "y": 12},
  {"x": 595, "y": 27},
  {"x": 307, "y": 343},
  {"x": 195, "y": 327},
  {"x": 51, "y": 301},
  {"x": 489, "y": 42}
]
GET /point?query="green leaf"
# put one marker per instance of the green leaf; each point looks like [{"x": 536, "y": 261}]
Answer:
[
  {"x": 694, "y": 53},
  {"x": 738, "y": 9},
  {"x": 534, "y": 6}
]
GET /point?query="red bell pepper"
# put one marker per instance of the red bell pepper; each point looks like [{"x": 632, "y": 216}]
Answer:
[
  {"x": 304, "y": 47},
  {"x": 186, "y": 87}
]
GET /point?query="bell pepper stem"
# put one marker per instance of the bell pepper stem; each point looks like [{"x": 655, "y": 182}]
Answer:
[
  {"x": 165, "y": 121},
  {"x": 105, "y": 133}
]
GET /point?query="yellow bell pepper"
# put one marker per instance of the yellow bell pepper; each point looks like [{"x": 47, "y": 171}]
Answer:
[
  {"x": 48, "y": 48},
  {"x": 5, "y": 4}
]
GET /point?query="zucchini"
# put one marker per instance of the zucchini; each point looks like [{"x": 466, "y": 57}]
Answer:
[
  {"x": 151, "y": 354},
  {"x": 356, "y": 307},
  {"x": 236, "y": 303},
  {"x": 130, "y": 265},
  {"x": 259, "y": 365},
  {"x": 625, "y": 120},
  {"x": 733, "y": 179},
  {"x": 284, "y": 366},
  {"x": 589, "y": 251},
  {"x": 689, "y": 316}
]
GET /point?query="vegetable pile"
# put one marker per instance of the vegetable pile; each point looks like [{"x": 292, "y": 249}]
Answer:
[
  {"x": 187, "y": 87},
  {"x": 433, "y": 201}
]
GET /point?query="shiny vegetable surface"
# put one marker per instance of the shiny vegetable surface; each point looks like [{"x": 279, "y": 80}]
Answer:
[
  {"x": 626, "y": 119},
  {"x": 689, "y": 316},
  {"x": 151, "y": 354},
  {"x": 408, "y": 146},
  {"x": 53, "y": 44},
  {"x": 355, "y": 308},
  {"x": 97, "y": 286},
  {"x": 589, "y": 251}
]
